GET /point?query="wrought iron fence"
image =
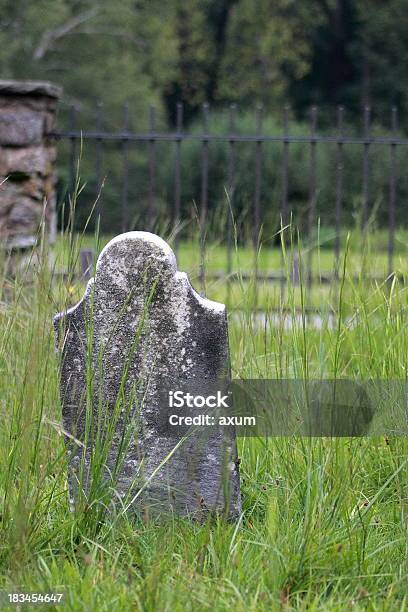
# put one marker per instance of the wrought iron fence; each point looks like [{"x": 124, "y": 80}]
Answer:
[{"x": 126, "y": 139}]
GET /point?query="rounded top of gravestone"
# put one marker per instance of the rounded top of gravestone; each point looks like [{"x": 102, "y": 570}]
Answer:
[
  {"x": 133, "y": 258},
  {"x": 30, "y": 88},
  {"x": 139, "y": 244}
]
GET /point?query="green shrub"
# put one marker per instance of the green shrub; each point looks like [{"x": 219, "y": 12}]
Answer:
[{"x": 139, "y": 196}]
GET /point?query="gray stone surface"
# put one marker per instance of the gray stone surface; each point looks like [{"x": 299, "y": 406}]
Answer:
[
  {"x": 23, "y": 205},
  {"x": 31, "y": 88},
  {"x": 141, "y": 330},
  {"x": 26, "y": 160},
  {"x": 18, "y": 129}
]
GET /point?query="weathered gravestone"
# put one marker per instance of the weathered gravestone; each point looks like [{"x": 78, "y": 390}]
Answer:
[{"x": 139, "y": 331}]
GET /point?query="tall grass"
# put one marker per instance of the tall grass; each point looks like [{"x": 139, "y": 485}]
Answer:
[{"x": 324, "y": 522}]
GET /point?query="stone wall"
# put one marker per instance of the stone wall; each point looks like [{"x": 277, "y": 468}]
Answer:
[{"x": 27, "y": 157}]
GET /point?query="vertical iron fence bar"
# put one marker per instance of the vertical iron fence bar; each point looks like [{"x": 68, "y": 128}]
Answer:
[
  {"x": 285, "y": 167},
  {"x": 312, "y": 192},
  {"x": 177, "y": 173},
  {"x": 230, "y": 193},
  {"x": 258, "y": 179},
  {"x": 257, "y": 199},
  {"x": 392, "y": 193},
  {"x": 98, "y": 162},
  {"x": 125, "y": 165},
  {"x": 366, "y": 166},
  {"x": 73, "y": 151},
  {"x": 284, "y": 200},
  {"x": 152, "y": 168},
  {"x": 204, "y": 195},
  {"x": 339, "y": 188}
]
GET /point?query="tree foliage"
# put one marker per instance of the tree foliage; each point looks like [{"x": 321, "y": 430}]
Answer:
[
  {"x": 114, "y": 51},
  {"x": 151, "y": 52},
  {"x": 266, "y": 48}
]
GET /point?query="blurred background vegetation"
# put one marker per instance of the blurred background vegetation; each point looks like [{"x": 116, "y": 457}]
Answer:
[
  {"x": 324, "y": 52},
  {"x": 273, "y": 52}
]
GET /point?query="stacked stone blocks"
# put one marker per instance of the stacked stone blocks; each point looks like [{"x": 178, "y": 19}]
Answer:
[{"x": 27, "y": 158}]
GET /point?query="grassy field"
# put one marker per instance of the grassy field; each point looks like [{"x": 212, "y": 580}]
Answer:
[
  {"x": 324, "y": 523},
  {"x": 365, "y": 257}
]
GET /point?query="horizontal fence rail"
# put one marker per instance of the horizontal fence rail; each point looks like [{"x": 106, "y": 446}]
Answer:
[
  {"x": 148, "y": 144},
  {"x": 180, "y": 136}
]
